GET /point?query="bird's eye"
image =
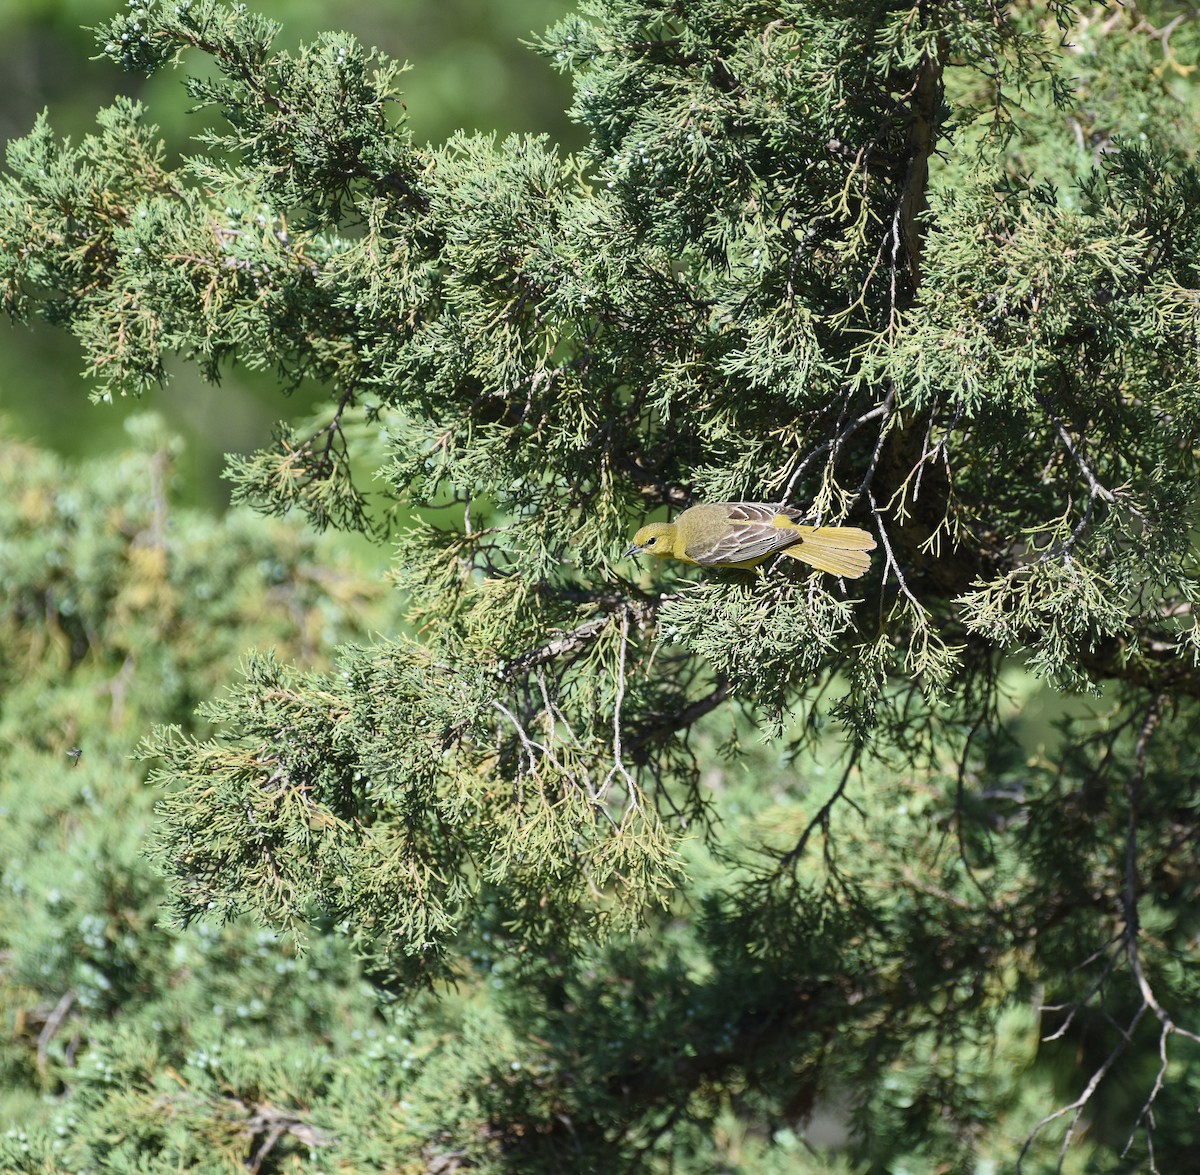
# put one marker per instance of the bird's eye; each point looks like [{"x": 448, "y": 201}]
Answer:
[{"x": 651, "y": 542}]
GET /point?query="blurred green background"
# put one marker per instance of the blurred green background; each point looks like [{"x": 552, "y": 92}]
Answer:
[{"x": 471, "y": 70}]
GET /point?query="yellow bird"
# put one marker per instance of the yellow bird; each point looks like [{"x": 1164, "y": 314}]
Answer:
[{"x": 744, "y": 534}]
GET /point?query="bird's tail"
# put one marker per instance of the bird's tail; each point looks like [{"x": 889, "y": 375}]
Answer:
[{"x": 838, "y": 550}]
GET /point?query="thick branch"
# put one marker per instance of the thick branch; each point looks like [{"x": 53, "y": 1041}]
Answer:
[{"x": 922, "y": 135}]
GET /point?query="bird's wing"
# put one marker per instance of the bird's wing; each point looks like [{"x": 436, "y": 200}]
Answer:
[{"x": 751, "y": 534}]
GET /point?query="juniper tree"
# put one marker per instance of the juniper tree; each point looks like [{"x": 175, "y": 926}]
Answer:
[
  {"x": 119, "y": 608},
  {"x": 926, "y": 269}
]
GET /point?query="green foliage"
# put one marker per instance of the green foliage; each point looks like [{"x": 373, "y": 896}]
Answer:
[
  {"x": 919, "y": 267},
  {"x": 120, "y": 609}
]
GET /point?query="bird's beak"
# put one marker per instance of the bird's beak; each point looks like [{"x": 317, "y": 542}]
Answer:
[{"x": 634, "y": 549}]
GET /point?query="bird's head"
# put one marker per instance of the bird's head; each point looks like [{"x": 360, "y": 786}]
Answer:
[{"x": 656, "y": 539}]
